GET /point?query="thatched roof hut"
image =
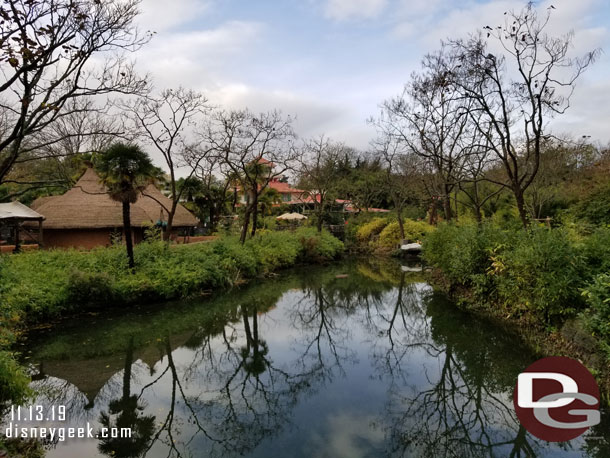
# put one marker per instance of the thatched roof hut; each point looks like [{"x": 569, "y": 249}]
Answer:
[{"x": 88, "y": 207}]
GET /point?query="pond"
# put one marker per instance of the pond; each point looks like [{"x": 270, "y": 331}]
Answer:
[{"x": 358, "y": 359}]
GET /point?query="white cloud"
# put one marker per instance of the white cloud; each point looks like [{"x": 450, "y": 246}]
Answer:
[
  {"x": 199, "y": 59},
  {"x": 347, "y": 434},
  {"x": 161, "y": 15},
  {"x": 312, "y": 116},
  {"x": 333, "y": 89},
  {"x": 342, "y": 10},
  {"x": 589, "y": 112}
]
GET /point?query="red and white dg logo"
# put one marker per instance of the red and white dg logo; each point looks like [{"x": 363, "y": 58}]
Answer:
[{"x": 557, "y": 399}]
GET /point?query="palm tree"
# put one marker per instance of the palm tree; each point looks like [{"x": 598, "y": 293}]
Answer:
[
  {"x": 125, "y": 170},
  {"x": 267, "y": 199}
]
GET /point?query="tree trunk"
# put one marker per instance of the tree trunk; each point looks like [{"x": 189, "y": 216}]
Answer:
[
  {"x": 521, "y": 206},
  {"x": 320, "y": 213},
  {"x": 254, "y": 215},
  {"x": 432, "y": 213},
  {"x": 17, "y": 248},
  {"x": 447, "y": 203},
  {"x": 212, "y": 210},
  {"x": 477, "y": 203},
  {"x": 477, "y": 214},
  {"x": 127, "y": 232},
  {"x": 244, "y": 229},
  {"x": 167, "y": 233}
]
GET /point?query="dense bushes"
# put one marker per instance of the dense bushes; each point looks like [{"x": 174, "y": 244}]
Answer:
[
  {"x": 40, "y": 284},
  {"x": 598, "y": 315},
  {"x": 539, "y": 272},
  {"x": 14, "y": 384}
]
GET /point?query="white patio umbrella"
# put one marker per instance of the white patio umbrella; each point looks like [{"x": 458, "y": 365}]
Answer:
[{"x": 292, "y": 217}]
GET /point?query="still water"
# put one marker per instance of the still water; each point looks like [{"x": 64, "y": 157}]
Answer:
[{"x": 350, "y": 360}]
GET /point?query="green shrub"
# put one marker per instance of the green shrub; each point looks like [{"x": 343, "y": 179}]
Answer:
[
  {"x": 543, "y": 272},
  {"x": 596, "y": 207},
  {"x": 35, "y": 285},
  {"x": 464, "y": 253},
  {"x": 597, "y": 295},
  {"x": 596, "y": 251},
  {"x": 90, "y": 288},
  {"x": 14, "y": 383},
  {"x": 319, "y": 246},
  {"x": 538, "y": 271}
]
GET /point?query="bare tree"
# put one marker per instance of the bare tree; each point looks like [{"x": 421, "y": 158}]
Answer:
[
  {"x": 318, "y": 173},
  {"x": 431, "y": 119},
  {"x": 517, "y": 77},
  {"x": 475, "y": 184},
  {"x": 54, "y": 52},
  {"x": 52, "y": 159},
  {"x": 401, "y": 173},
  {"x": 254, "y": 149},
  {"x": 163, "y": 122}
]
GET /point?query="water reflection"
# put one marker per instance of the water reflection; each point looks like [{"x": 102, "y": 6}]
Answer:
[{"x": 358, "y": 359}]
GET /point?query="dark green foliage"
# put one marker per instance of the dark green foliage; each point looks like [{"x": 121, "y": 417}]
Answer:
[
  {"x": 463, "y": 253},
  {"x": 596, "y": 250},
  {"x": 37, "y": 285},
  {"x": 538, "y": 272},
  {"x": 542, "y": 272},
  {"x": 597, "y": 317},
  {"x": 13, "y": 381},
  {"x": 596, "y": 208}
]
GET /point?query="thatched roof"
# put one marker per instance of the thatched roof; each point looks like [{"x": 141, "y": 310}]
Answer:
[{"x": 88, "y": 206}]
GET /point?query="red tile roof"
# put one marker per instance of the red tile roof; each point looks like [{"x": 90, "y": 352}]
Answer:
[{"x": 283, "y": 188}]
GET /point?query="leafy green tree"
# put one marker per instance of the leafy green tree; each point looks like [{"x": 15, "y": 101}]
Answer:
[
  {"x": 268, "y": 199},
  {"x": 125, "y": 170}
]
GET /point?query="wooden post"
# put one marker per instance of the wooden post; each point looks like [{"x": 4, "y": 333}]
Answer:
[
  {"x": 17, "y": 241},
  {"x": 40, "y": 242}
]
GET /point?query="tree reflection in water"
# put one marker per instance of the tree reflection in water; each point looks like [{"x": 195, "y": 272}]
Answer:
[
  {"x": 126, "y": 412},
  {"x": 461, "y": 409},
  {"x": 225, "y": 378},
  {"x": 246, "y": 397}
]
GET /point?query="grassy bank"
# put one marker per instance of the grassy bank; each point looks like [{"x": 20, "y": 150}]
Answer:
[
  {"x": 37, "y": 286},
  {"x": 554, "y": 283}
]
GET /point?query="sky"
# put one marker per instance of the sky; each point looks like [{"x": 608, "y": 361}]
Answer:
[{"x": 331, "y": 63}]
